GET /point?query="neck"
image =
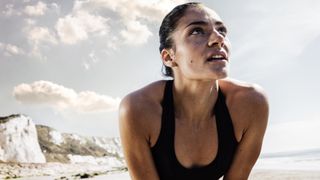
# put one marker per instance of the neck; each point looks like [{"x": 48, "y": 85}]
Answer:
[{"x": 194, "y": 100}]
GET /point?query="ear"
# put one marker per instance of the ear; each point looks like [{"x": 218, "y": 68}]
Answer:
[{"x": 168, "y": 57}]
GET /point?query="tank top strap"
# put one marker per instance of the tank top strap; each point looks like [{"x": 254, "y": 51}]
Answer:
[
  {"x": 224, "y": 123},
  {"x": 167, "y": 123}
]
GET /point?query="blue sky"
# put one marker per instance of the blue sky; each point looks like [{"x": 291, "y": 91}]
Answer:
[{"x": 67, "y": 64}]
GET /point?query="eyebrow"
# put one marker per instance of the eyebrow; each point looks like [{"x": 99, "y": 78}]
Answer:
[{"x": 218, "y": 23}]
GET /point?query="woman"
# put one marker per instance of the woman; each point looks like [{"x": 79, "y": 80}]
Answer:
[{"x": 200, "y": 125}]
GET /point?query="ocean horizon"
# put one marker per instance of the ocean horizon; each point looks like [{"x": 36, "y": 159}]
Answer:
[{"x": 308, "y": 160}]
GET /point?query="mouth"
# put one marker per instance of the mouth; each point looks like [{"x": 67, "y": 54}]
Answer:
[{"x": 217, "y": 57}]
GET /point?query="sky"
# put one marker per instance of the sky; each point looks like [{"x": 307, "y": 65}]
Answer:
[{"x": 67, "y": 64}]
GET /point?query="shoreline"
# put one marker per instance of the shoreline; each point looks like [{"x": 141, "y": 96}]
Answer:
[{"x": 279, "y": 174}]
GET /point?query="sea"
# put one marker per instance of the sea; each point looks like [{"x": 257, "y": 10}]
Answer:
[{"x": 308, "y": 160}]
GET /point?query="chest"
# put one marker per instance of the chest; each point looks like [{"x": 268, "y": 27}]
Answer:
[{"x": 195, "y": 146}]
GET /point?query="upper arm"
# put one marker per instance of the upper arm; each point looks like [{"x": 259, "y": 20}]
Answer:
[
  {"x": 134, "y": 139},
  {"x": 248, "y": 150}
]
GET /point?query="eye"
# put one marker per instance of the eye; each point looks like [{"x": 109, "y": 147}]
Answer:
[
  {"x": 222, "y": 30},
  {"x": 197, "y": 31}
]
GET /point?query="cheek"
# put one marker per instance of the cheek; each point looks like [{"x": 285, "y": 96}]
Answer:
[
  {"x": 188, "y": 55},
  {"x": 198, "y": 41},
  {"x": 227, "y": 44},
  {"x": 188, "y": 52},
  {"x": 190, "y": 49},
  {"x": 185, "y": 61},
  {"x": 191, "y": 66}
]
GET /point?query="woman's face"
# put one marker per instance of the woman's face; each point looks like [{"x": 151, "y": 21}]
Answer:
[{"x": 201, "y": 48}]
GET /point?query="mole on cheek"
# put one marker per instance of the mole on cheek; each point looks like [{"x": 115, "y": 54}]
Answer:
[{"x": 191, "y": 61}]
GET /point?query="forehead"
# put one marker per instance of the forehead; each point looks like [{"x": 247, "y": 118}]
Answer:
[{"x": 198, "y": 13}]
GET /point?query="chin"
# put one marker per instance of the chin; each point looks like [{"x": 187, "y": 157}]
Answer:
[
  {"x": 220, "y": 72},
  {"x": 221, "y": 75}
]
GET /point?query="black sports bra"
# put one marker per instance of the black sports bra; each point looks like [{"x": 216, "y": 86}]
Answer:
[{"x": 167, "y": 165}]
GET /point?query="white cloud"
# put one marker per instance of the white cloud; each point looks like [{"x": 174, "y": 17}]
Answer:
[
  {"x": 128, "y": 9},
  {"x": 151, "y": 11},
  {"x": 76, "y": 27},
  {"x": 14, "y": 50},
  {"x": 70, "y": 30},
  {"x": 10, "y": 49},
  {"x": 86, "y": 65},
  {"x": 41, "y": 34},
  {"x": 89, "y": 101},
  {"x": 29, "y": 22},
  {"x": 44, "y": 92},
  {"x": 134, "y": 15},
  {"x": 92, "y": 59},
  {"x": 37, "y": 10},
  {"x": 10, "y": 11},
  {"x": 135, "y": 33},
  {"x": 55, "y": 8},
  {"x": 38, "y": 36},
  {"x": 62, "y": 98}
]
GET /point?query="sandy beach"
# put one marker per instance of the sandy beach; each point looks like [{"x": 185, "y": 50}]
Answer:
[
  {"x": 44, "y": 171},
  {"x": 255, "y": 175},
  {"x": 59, "y": 171}
]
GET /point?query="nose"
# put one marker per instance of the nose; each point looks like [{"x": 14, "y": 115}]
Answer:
[{"x": 216, "y": 39}]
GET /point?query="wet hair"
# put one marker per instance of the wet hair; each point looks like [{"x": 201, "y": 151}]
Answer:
[{"x": 168, "y": 25}]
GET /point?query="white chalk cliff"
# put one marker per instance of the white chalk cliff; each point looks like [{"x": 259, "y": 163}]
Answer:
[
  {"x": 24, "y": 142},
  {"x": 19, "y": 140},
  {"x": 73, "y": 148}
]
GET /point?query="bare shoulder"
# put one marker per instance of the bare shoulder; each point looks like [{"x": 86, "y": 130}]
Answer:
[
  {"x": 141, "y": 109},
  {"x": 144, "y": 98},
  {"x": 247, "y": 103},
  {"x": 244, "y": 93}
]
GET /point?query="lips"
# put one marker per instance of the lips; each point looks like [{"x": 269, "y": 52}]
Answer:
[{"x": 217, "y": 56}]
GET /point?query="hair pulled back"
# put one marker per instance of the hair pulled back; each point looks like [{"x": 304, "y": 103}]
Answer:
[{"x": 168, "y": 25}]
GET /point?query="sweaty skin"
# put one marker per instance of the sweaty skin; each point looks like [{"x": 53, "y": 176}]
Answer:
[{"x": 199, "y": 35}]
